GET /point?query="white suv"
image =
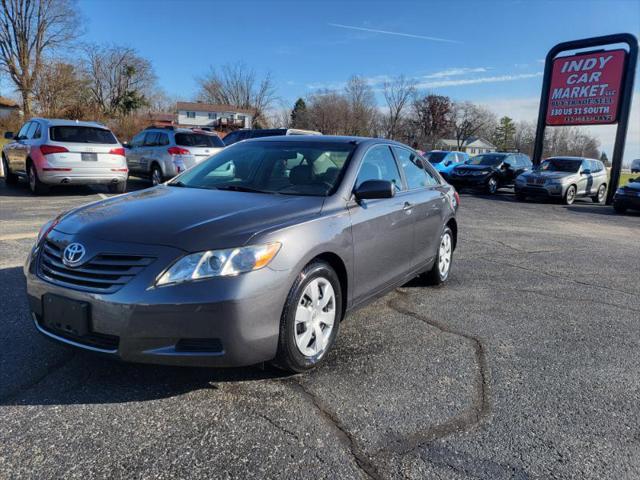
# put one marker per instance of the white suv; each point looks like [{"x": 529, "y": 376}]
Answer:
[{"x": 51, "y": 152}]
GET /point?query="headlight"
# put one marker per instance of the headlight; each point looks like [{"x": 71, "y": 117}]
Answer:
[
  {"x": 620, "y": 191},
  {"x": 481, "y": 172},
  {"x": 47, "y": 227},
  {"x": 219, "y": 263}
]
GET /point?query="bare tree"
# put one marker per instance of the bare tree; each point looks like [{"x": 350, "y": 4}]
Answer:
[
  {"x": 30, "y": 29},
  {"x": 469, "y": 120},
  {"x": 61, "y": 91},
  {"x": 397, "y": 94},
  {"x": 119, "y": 79},
  {"x": 238, "y": 85},
  {"x": 362, "y": 105},
  {"x": 328, "y": 112},
  {"x": 432, "y": 118}
]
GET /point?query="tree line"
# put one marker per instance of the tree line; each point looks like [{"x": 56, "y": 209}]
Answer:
[{"x": 114, "y": 84}]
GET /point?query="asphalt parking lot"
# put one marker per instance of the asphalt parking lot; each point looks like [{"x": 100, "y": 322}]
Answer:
[{"x": 525, "y": 365}]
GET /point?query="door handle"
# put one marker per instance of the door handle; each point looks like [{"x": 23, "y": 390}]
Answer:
[{"x": 407, "y": 206}]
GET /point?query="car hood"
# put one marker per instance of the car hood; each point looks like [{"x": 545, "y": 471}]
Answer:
[
  {"x": 187, "y": 218},
  {"x": 474, "y": 167},
  {"x": 635, "y": 186},
  {"x": 551, "y": 175}
]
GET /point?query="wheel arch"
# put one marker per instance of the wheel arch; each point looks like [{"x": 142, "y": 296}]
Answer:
[
  {"x": 452, "y": 223},
  {"x": 340, "y": 268}
]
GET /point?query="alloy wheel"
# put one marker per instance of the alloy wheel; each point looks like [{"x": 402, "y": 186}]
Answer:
[
  {"x": 571, "y": 195},
  {"x": 601, "y": 193},
  {"x": 493, "y": 185},
  {"x": 32, "y": 178},
  {"x": 315, "y": 317},
  {"x": 444, "y": 255},
  {"x": 156, "y": 177}
]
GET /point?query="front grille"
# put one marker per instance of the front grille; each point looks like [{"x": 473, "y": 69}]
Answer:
[
  {"x": 199, "y": 345},
  {"x": 104, "y": 273},
  {"x": 101, "y": 341}
]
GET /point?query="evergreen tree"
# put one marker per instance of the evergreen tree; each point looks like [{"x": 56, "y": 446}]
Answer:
[
  {"x": 604, "y": 159},
  {"x": 299, "y": 114},
  {"x": 504, "y": 135}
]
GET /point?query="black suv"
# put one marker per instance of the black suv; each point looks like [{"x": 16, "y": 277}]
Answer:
[{"x": 490, "y": 171}]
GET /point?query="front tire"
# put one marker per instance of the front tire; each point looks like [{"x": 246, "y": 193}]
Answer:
[
  {"x": 600, "y": 196},
  {"x": 310, "y": 319},
  {"x": 9, "y": 178},
  {"x": 439, "y": 273},
  {"x": 35, "y": 185},
  {"x": 570, "y": 195},
  {"x": 492, "y": 186}
]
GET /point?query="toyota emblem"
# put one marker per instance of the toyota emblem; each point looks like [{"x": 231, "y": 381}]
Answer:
[{"x": 73, "y": 254}]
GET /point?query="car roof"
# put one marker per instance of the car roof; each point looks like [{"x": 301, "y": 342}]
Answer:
[
  {"x": 59, "y": 122},
  {"x": 569, "y": 157},
  {"x": 325, "y": 139}
]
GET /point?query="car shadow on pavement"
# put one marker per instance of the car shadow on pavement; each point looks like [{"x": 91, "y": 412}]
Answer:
[
  {"x": 22, "y": 189},
  {"x": 601, "y": 210},
  {"x": 36, "y": 371}
]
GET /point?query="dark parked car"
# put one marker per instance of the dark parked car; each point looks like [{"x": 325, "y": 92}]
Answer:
[
  {"x": 627, "y": 197},
  {"x": 490, "y": 171},
  {"x": 253, "y": 255},
  {"x": 247, "y": 133}
]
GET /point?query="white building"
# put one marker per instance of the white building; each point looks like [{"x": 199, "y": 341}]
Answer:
[
  {"x": 472, "y": 145},
  {"x": 197, "y": 114}
]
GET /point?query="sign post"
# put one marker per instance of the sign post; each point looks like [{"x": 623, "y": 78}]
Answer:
[{"x": 589, "y": 88}]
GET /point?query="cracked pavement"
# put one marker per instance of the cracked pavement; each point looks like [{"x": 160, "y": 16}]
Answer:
[{"x": 524, "y": 366}]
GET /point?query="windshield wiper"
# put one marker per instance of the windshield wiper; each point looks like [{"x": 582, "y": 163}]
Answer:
[
  {"x": 177, "y": 184},
  {"x": 241, "y": 188}
]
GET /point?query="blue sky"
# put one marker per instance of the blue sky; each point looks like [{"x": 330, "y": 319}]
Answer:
[{"x": 485, "y": 51}]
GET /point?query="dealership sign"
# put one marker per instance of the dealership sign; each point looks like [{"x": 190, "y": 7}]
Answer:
[{"x": 585, "y": 88}]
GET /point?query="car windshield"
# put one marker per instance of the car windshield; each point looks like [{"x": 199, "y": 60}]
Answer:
[
  {"x": 292, "y": 168},
  {"x": 198, "y": 140},
  {"x": 560, "y": 165},
  {"x": 488, "y": 160},
  {"x": 435, "y": 157},
  {"x": 79, "y": 134}
]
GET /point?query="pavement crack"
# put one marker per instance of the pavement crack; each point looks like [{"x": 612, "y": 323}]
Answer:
[
  {"x": 479, "y": 409},
  {"x": 279, "y": 427},
  {"x": 560, "y": 277},
  {"x": 362, "y": 461}
]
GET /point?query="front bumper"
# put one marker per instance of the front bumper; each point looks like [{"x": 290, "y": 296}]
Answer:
[
  {"x": 224, "y": 321},
  {"x": 627, "y": 201},
  {"x": 468, "y": 181},
  {"x": 549, "y": 191}
]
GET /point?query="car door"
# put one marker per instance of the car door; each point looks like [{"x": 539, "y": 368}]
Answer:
[
  {"x": 382, "y": 229},
  {"x": 585, "y": 180},
  {"x": 147, "y": 150},
  {"x": 133, "y": 152},
  {"x": 427, "y": 202},
  {"x": 19, "y": 150},
  {"x": 509, "y": 168}
]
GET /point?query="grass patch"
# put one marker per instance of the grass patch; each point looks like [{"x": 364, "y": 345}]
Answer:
[{"x": 625, "y": 177}]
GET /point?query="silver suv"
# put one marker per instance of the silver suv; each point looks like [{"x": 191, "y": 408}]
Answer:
[
  {"x": 565, "y": 178},
  {"x": 162, "y": 153},
  {"x": 50, "y": 152}
]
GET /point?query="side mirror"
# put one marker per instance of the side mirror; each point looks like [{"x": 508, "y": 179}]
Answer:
[
  {"x": 8, "y": 135},
  {"x": 506, "y": 165},
  {"x": 586, "y": 172},
  {"x": 375, "y": 189}
]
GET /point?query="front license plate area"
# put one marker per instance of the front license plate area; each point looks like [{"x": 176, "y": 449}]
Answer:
[
  {"x": 89, "y": 157},
  {"x": 65, "y": 315}
]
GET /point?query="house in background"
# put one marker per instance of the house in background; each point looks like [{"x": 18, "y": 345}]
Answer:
[
  {"x": 215, "y": 116},
  {"x": 472, "y": 145},
  {"x": 8, "y": 106}
]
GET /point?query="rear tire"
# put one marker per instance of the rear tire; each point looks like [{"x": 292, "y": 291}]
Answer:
[
  {"x": 315, "y": 298},
  {"x": 569, "y": 195},
  {"x": 119, "y": 187},
  {"x": 441, "y": 269},
  {"x": 9, "y": 178},
  {"x": 35, "y": 185},
  {"x": 601, "y": 195},
  {"x": 156, "y": 175}
]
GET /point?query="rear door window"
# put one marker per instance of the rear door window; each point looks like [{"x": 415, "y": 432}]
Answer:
[
  {"x": 151, "y": 139},
  {"x": 198, "y": 140},
  {"x": 138, "y": 140},
  {"x": 81, "y": 134},
  {"x": 163, "y": 139},
  {"x": 32, "y": 130}
]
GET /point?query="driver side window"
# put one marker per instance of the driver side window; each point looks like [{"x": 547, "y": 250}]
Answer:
[
  {"x": 379, "y": 164},
  {"x": 22, "y": 134}
]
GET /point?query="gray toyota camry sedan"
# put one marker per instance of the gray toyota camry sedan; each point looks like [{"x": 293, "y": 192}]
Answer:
[{"x": 253, "y": 255}]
